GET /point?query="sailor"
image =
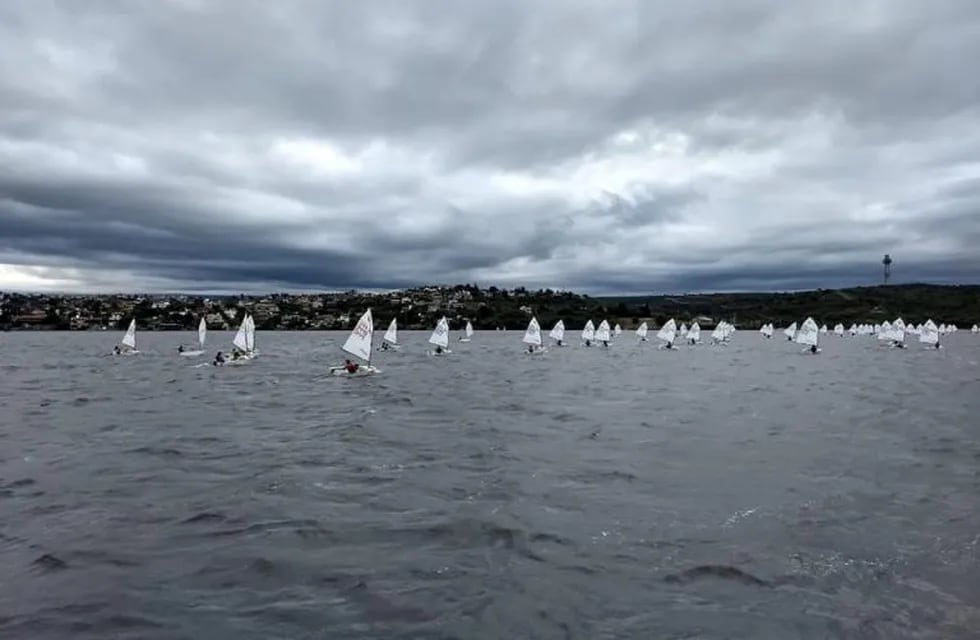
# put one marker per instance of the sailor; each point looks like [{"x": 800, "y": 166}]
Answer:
[
  {"x": 180, "y": 349},
  {"x": 116, "y": 350},
  {"x": 219, "y": 359},
  {"x": 438, "y": 349},
  {"x": 813, "y": 348},
  {"x": 350, "y": 366}
]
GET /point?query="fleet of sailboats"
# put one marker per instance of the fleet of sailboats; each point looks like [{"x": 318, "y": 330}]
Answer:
[{"x": 359, "y": 343}]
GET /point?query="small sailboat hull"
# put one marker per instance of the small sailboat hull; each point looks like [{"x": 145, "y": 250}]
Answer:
[
  {"x": 363, "y": 371},
  {"x": 465, "y": 340},
  {"x": 191, "y": 354},
  {"x": 444, "y": 352},
  {"x": 240, "y": 360}
]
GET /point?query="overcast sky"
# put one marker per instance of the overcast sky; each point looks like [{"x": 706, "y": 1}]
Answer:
[{"x": 620, "y": 147}]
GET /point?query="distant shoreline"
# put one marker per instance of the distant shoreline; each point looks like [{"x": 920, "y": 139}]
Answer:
[{"x": 488, "y": 309}]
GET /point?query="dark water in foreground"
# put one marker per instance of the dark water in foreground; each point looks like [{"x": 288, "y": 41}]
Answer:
[{"x": 740, "y": 492}]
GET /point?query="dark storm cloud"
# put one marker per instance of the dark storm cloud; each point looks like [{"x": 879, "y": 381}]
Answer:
[{"x": 306, "y": 144}]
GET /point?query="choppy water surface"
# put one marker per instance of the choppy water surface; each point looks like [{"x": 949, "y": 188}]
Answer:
[{"x": 739, "y": 492}]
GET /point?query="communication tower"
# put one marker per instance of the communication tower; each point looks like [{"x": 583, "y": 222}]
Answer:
[{"x": 887, "y": 264}]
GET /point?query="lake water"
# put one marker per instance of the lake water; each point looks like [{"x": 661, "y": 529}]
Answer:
[{"x": 739, "y": 492}]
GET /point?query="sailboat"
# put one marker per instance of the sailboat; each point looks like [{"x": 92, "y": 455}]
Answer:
[
  {"x": 358, "y": 344},
  {"x": 720, "y": 334},
  {"x": 588, "y": 333},
  {"x": 617, "y": 330},
  {"x": 683, "y": 330},
  {"x": 790, "y": 332},
  {"x": 641, "y": 331},
  {"x": 244, "y": 342},
  {"x": 602, "y": 333},
  {"x": 885, "y": 331},
  {"x": 532, "y": 338},
  {"x": 766, "y": 330},
  {"x": 897, "y": 334},
  {"x": 975, "y": 329},
  {"x": 468, "y": 331},
  {"x": 667, "y": 334},
  {"x": 839, "y": 330},
  {"x": 202, "y": 334},
  {"x": 558, "y": 333},
  {"x": 127, "y": 346},
  {"x": 694, "y": 334},
  {"x": 809, "y": 335},
  {"x": 440, "y": 338},
  {"x": 930, "y": 335},
  {"x": 390, "y": 340}
]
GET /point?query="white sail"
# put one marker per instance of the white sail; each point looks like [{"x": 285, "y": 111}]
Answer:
[
  {"x": 642, "y": 330},
  {"x": 808, "y": 333},
  {"x": 202, "y": 332},
  {"x": 719, "y": 334},
  {"x": 129, "y": 340},
  {"x": 853, "y": 330},
  {"x": 790, "y": 331},
  {"x": 898, "y": 331},
  {"x": 668, "y": 332},
  {"x": 683, "y": 330},
  {"x": 358, "y": 343},
  {"x": 250, "y": 333},
  {"x": 766, "y": 330},
  {"x": 839, "y": 329},
  {"x": 533, "y": 334},
  {"x": 391, "y": 335},
  {"x": 885, "y": 331},
  {"x": 694, "y": 333},
  {"x": 617, "y": 330},
  {"x": 823, "y": 328},
  {"x": 588, "y": 332},
  {"x": 929, "y": 333},
  {"x": 602, "y": 333},
  {"x": 558, "y": 331},
  {"x": 440, "y": 335},
  {"x": 240, "y": 340},
  {"x": 469, "y": 329},
  {"x": 975, "y": 329}
]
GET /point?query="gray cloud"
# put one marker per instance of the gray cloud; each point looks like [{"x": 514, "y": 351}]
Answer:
[{"x": 211, "y": 144}]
